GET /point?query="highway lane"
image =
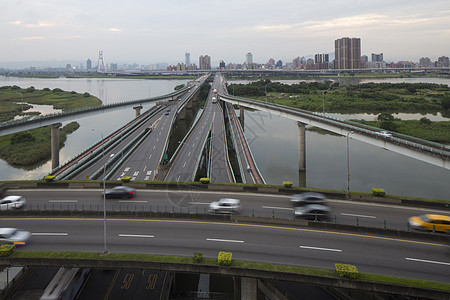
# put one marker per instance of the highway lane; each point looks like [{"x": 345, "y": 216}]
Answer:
[
  {"x": 271, "y": 244},
  {"x": 144, "y": 162},
  {"x": 184, "y": 165},
  {"x": 261, "y": 205},
  {"x": 220, "y": 170}
]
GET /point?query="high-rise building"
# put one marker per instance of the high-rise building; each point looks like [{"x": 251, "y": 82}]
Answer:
[
  {"x": 443, "y": 61},
  {"x": 187, "y": 59},
  {"x": 425, "y": 62},
  {"x": 347, "y": 52},
  {"x": 222, "y": 65},
  {"x": 377, "y": 57},
  {"x": 204, "y": 62},
  {"x": 249, "y": 58},
  {"x": 88, "y": 64}
]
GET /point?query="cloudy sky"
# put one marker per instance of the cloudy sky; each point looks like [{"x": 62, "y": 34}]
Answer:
[{"x": 152, "y": 31}]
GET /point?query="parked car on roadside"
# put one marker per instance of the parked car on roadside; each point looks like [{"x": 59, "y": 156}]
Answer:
[
  {"x": 425, "y": 222},
  {"x": 313, "y": 212},
  {"x": 12, "y": 202},
  {"x": 14, "y": 236},
  {"x": 121, "y": 191},
  {"x": 308, "y": 198},
  {"x": 225, "y": 205}
]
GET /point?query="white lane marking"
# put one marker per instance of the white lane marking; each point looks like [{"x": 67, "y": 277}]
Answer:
[
  {"x": 150, "y": 157},
  {"x": 50, "y": 233},
  {"x": 362, "y": 216},
  {"x": 274, "y": 207},
  {"x": 220, "y": 240},
  {"x": 179, "y": 178},
  {"x": 324, "y": 249},
  {"x": 157, "y": 139},
  {"x": 133, "y": 201},
  {"x": 428, "y": 261},
  {"x": 145, "y": 168},
  {"x": 137, "y": 235},
  {"x": 189, "y": 154},
  {"x": 154, "y": 147},
  {"x": 199, "y": 203},
  {"x": 184, "y": 165},
  {"x": 63, "y": 201}
]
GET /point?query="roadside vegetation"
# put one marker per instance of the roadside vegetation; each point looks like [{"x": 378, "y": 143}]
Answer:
[
  {"x": 31, "y": 148},
  {"x": 377, "y": 98}
]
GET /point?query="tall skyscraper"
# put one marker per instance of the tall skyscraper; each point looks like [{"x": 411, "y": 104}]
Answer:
[
  {"x": 347, "y": 53},
  {"x": 88, "y": 64},
  {"x": 249, "y": 58},
  {"x": 187, "y": 59},
  {"x": 204, "y": 62}
]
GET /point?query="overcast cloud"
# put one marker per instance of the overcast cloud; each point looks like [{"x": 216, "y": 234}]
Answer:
[{"x": 151, "y": 31}]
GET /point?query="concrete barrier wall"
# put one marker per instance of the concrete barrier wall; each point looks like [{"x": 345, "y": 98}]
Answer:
[{"x": 338, "y": 282}]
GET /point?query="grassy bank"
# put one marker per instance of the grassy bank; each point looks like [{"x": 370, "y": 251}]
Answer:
[
  {"x": 28, "y": 149},
  {"x": 14, "y": 100},
  {"x": 235, "y": 263}
]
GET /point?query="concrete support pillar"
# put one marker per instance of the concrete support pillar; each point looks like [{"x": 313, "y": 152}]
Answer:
[
  {"x": 301, "y": 147},
  {"x": 182, "y": 114},
  {"x": 241, "y": 115},
  {"x": 137, "y": 109},
  {"x": 249, "y": 288},
  {"x": 55, "y": 144},
  {"x": 189, "y": 103}
]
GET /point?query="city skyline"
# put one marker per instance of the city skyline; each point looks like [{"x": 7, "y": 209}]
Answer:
[{"x": 148, "y": 32}]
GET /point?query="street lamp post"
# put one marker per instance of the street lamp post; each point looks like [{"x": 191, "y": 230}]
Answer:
[
  {"x": 105, "y": 250},
  {"x": 348, "y": 165}
]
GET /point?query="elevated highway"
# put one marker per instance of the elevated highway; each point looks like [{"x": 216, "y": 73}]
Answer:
[{"x": 433, "y": 153}]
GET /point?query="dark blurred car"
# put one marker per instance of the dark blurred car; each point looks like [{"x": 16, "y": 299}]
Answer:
[
  {"x": 120, "y": 192},
  {"x": 313, "y": 211},
  {"x": 308, "y": 198}
]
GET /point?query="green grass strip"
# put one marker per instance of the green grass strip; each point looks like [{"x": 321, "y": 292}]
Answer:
[{"x": 235, "y": 263}]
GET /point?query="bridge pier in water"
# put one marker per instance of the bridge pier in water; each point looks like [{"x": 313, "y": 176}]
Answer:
[
  {"x": 137, "y": 109},
  {"x": 241, "y": 116},
  {"x": 55, "y": 144}
]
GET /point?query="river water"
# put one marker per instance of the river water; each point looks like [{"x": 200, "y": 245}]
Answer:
[{"x": 273, "y": 141}]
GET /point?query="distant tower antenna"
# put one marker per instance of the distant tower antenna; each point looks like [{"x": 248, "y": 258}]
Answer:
[{"x": 101, "y": 66}]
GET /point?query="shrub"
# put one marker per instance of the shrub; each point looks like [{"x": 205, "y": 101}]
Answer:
[
  {"x": 86, "y": 94},
  {"x": 224, "y": 258},
  {"x": 344, "y": 270},
  {"x": 49, "y": 178},
  {"x": 204, "y": 180},
  {"x": 287, "y": 184},
  {"x": 6, "y": 250},
  {"x": 378, "y": 192},
  {"x": 198, "y": 256},
  {"x": 125, "y": 179}
]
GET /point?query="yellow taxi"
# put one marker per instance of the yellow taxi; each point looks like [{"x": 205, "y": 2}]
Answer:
[{"x": 426, "y": 222}]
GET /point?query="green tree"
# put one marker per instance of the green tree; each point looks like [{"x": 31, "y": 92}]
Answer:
[
  {"x": 425, "y": 121},
  {"x": 385, "y": 117},
  {"x": 22, "y": 137}
]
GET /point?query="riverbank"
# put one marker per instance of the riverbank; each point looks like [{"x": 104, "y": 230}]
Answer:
[{"x": 32, "y": 148}]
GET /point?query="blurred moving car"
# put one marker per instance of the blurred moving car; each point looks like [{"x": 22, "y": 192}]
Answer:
[
  {"x": 12, "y": 202},
  {"x": 120, "y": 192},
  {"x": 384, "y": 134},
  {"x": 225, "y": 205},
  {"x": 308, "y": 198},
  {"x": 425, "y": 222},
  {"x": 313, "y": 211},
  {"x": 13, "y": 236}
]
